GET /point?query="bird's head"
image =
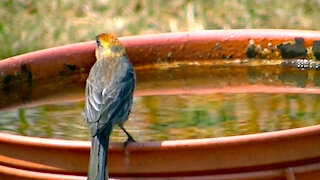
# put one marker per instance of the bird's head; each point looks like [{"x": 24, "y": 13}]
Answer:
[{"x": 107, "y": 45}]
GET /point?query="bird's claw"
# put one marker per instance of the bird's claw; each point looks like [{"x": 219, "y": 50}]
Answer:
[{"x": 128, "y": 141}]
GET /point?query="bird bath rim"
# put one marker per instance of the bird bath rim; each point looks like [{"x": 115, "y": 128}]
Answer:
[{"x": 151, "y": 145}]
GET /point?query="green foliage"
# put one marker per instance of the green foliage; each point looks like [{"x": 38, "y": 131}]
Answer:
[{"x": 29, "y": 25}]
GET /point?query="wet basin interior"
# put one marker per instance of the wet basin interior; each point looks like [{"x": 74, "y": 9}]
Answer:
[{"x": 178, "y": 100}]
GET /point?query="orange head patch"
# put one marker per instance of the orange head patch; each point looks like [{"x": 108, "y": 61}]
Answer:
[
  {"x": 108, "y": 46},
  {"x": 108, "y": 40}
]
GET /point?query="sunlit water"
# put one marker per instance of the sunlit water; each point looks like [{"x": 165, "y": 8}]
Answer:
[
  {"x": 183, "y": 116},
  {"x": 175, "y": 116}
]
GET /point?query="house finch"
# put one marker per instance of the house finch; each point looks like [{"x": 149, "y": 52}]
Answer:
[{"x": 109, "y": 93}]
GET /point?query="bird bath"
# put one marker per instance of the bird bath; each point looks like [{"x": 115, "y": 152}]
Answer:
[{"x": 230, "y": 61}]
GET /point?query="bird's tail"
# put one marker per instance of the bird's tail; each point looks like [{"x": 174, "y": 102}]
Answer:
[{"x": 98, "y": 156}]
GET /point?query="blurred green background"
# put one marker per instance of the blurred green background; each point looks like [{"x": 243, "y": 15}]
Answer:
[{"x": 29, "y": 25}]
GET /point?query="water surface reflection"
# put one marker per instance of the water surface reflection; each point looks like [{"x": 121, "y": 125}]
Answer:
[{"x": 175, "y": 116}]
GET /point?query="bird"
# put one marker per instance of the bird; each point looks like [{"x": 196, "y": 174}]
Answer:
[{"x": 108, "y": 99}]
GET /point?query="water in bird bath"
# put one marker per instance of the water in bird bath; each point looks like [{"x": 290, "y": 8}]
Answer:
[{"x": 193, "y": 100}]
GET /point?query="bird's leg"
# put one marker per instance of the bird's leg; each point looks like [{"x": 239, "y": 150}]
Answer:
[{"x": 130, "y": 138}]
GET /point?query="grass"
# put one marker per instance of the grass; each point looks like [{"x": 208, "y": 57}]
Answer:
[{"x": 29, "y": 25}]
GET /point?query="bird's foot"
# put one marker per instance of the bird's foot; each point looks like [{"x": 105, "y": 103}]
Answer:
[{"x": 128, "y": 141}]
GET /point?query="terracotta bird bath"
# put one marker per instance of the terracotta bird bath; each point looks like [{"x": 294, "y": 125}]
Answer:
[{"x": 287, "y": 154}]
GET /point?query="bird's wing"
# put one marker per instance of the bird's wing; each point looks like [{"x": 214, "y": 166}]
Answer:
[{"x": 103, "y": 105}]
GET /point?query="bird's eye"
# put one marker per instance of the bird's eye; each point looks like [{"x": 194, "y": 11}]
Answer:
[{"x": 98, "y": 42}]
